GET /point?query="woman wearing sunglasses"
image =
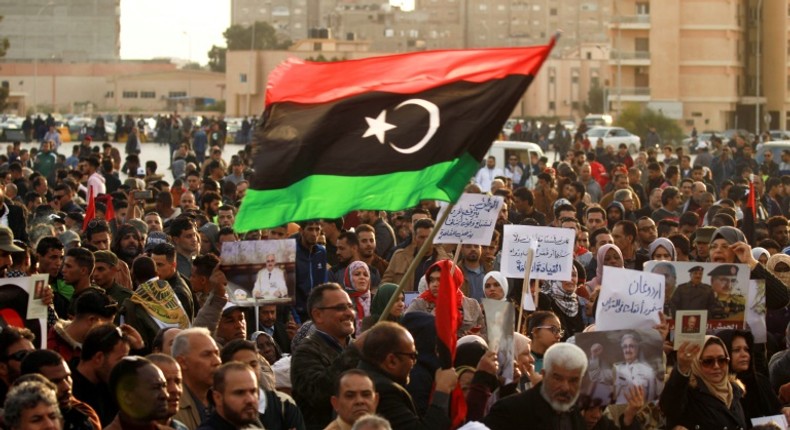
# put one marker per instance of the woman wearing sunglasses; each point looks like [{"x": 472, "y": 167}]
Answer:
[
  {"x": 701, "y": 392},
  {"x": 759, "y": 399}
]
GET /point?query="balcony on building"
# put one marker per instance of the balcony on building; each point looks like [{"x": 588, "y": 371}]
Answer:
[
  {"x": 630, "y": 58},
  {"x": 630, "y": 22},
  {"x": 629, "y": 94}
]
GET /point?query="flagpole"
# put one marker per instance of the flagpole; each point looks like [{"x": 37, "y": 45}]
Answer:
[{"x": 409, "y": 275}]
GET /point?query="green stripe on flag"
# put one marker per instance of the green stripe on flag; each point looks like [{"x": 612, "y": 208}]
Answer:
[{"x": 328, "y": 196}]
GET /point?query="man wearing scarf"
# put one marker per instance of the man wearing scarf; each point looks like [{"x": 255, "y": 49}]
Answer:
[{"x": 154, "y": 305}]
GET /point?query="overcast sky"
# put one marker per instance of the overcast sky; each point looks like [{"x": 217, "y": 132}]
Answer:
[{"x": 169, "y": 28}]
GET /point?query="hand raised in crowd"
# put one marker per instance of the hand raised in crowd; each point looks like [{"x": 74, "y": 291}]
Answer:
[
  {"x": 445, "y": 380},
  {"x": 488, "y": 363},
  {"x": 135, "y": 340},
  {"x": 218, "y": 281},
  {"x": 687, "y": 353},
  {"x": 743, "y": 252},
  {"x": 662, "y": 327},
  {"x": 47, "y": 296},
  {"x": 635, "y": 395}
]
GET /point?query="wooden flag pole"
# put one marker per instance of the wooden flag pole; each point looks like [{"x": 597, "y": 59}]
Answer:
[
  {"x": 409, "y": 275},
  {"x": 527, "y": 270},
  {"x": 455, "y": 258}
]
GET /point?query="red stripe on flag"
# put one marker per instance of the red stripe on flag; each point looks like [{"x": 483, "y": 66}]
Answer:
[
  {"x": 90, "y": 212},
  {"x": 307, "y": 82}
]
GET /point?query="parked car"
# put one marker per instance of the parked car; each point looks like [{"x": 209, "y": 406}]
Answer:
[{"x": 614, "y": 136}]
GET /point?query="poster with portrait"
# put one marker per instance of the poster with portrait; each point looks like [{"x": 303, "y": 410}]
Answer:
[
  {"x": 720, "y": 289},
  {"x": 500, "y": 319},
  {"x": 260, "y": 271},
  {"x": 618, "y": 360},
  {"x": 690, "y": 327},
  {"x": 22, "y": 305}
]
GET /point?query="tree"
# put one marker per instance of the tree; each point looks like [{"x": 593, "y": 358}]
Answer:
[
  {"x": 638, "y": 120},
  {"x": 240, "y": 38},
  {"x": 3, "y": 90}
]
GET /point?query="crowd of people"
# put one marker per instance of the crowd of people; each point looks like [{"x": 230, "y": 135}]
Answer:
[{"x": 143, "y": 332}]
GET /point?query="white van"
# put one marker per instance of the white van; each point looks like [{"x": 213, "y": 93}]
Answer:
[{"x": 502, "y": 149}]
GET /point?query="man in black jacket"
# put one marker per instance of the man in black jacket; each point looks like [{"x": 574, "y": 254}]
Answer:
[
  {"x": 552, "y": 403},
  {"x": 388, "y": 357}
]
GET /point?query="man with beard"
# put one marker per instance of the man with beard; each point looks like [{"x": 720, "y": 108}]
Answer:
[
  {"x": 388, "y": 355},
  {"x": 281, "y": 333},
  {"x": 551, "y": 403},
  {"x": 164, "y": 256},
  {"x": 77, "y": 415},
  {"x": 127, "y": 243},
  {"x": 140, "y": 390},
  {"x": 367, "y": 252},
  {"x": 473, "y": 271},
  {"x": 209, "y": 203},
  {"x": 172, "y": 373},
  {"x": 234, "y": 395},
  {"x": 347, "y": 250}
]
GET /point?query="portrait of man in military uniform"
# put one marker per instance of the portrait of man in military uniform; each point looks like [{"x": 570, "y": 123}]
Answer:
[
  {"x": 695, "y": 295},
  {"x": 724, "y": 281},
  {"x": 633, "y": 371}
]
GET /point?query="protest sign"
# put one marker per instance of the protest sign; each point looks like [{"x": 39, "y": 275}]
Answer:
[
  {"x": 720, "y": 289},
  {"x": 690, "y": 328},
  {"x": 500, "y": 320},
  {"x": 260, "y": 271},
  {"x": 471, "y": 221},
  {"x": 23, "y": 307},
  {"x": 780, "y": 421},
  {"x": 754, "y": 317},
  {"x": 629, "y": 299},
  {"x": 618, "y": 360},
  {"x": 553, "y": 257}
]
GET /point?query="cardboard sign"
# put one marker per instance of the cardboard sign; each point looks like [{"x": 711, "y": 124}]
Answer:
[
  {"x": 500, "y": 320},
  {"x": 553, "y": 257},
  {"x": 618, "y": 360},
  {"x": 260, "y": 271},
  {"x": 629, "y": 299},
  {"x": 471, "y": 221},
  {"x": 721, "y": 289},
  {"x": 756, "y": 310},
  {"x": 690, "y": 327}
]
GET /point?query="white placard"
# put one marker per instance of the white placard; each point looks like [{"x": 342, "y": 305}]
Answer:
[
  {"x": 690, "y": 327},
  {"x": 629, "y": 299},
  {"x": 779, "y": 420},
  {"x": 553, "y": 258},
  {"x": 755, "y": 310},
  {"x": 500, "y": 319},
  {"x": 22, "y": 305},
  {"x": 471, "y": 221}
]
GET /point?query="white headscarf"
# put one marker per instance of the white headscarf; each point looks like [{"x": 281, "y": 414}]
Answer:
[{"x": 501, "y": 280}]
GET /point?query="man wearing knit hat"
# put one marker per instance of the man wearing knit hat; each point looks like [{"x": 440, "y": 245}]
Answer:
[{"x": 104, "y": 272}]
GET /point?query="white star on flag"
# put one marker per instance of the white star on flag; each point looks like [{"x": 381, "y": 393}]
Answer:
[{"x": 378, "y": 126}]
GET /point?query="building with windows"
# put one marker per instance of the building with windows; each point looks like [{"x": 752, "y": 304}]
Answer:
[{"x": 45, "y": 30}]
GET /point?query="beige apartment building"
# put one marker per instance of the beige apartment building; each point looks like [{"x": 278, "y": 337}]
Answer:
[{"x": 711, "y": 64}]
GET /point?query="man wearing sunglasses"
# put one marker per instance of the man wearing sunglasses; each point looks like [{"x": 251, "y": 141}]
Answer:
[
  {"x": 388, "y": 355},
  {"x": 322, "y": 356},
  {"x": 15, "y": 344}
]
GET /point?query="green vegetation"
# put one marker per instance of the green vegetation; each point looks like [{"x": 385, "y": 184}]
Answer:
[
  {"x": 638, "y": 120},
  {"x": 239, "y": 38}
]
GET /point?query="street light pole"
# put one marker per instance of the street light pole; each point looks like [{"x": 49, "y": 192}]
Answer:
[
  {"x": 249, "y": 71},
  {"x": 759, "y": 18}
]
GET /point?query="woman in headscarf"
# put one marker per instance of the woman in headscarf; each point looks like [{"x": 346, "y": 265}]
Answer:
[
  {"x": 776, "y": 320},
  {"x": 700, "y": 392},
  {"x": 761, "y": 254},
  {"x": 495, "y": 286},
  {"x": 759, "y": 400},
  {"x": 561, "y": 298},
  {"x": 380, "y": 300},
  {"x": 607, "y": 255},
  {"x": 357, "y": 281},
  {"x": 471, "y": 320},
  {"x": 662, "y": 249},
  {"x": 728, "y": 245},
  {"x": 267, "y": 347}
]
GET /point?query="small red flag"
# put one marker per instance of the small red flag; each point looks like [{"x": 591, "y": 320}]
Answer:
[{"x": 90, "y": 212}]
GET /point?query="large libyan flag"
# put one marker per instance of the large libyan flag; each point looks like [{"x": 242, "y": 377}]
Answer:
[{"x": 379, "y": 133}]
